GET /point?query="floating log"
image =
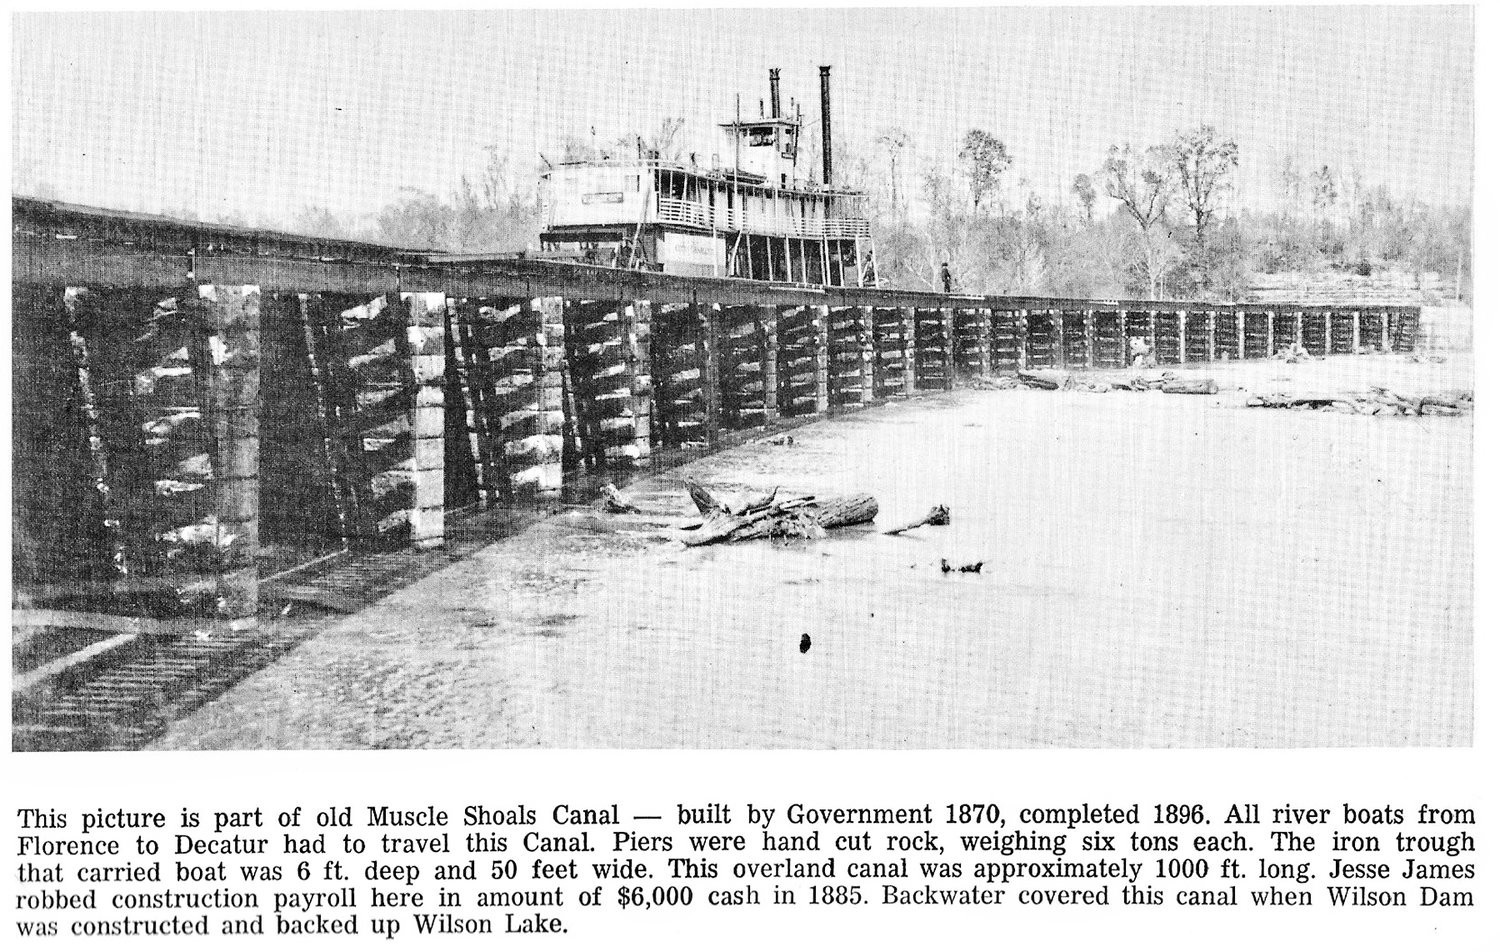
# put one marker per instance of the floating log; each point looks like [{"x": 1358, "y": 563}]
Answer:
[
  {"x": 708, "y": 504},
  {"x": 1043, "y": 381},
  {"x": 751, "y": 503},
  {"x": 936, "y": 516},
  {"x": 1282, "y": 401},
  {"x": 803, "y": 517},
  {"x": 1375, "y": 400},
  {"x": 852, "y": 510},
  {"x": 1454, "y": 399},
  {"x": 1205, "y": 385}
]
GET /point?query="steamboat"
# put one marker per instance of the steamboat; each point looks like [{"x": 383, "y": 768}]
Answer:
[{"x": 764, "y": 214}]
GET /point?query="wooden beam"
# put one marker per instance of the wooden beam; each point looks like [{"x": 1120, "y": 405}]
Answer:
[
  {"x": 425, "y": 355},
  {"x": 535, "y": 460},
  {"x": 708, "y": 368},
  {"x": 986, "y": 318},
  {"x": 950, "y": 366},
  {"x": 231, "y": 410},
  {"x": 768, "y": 315},
  {"x": 820, "y": 362},
  {"x": 909, "y": 346},
  {"x": 866, "y": 355},
  {"x": 637, "y": 339}
]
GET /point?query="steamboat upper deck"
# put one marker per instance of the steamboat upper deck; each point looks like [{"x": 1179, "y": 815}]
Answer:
[{"x": 758, "y": 216}]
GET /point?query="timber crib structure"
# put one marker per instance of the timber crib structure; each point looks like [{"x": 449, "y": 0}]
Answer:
[{"x": 188, "y": 397}]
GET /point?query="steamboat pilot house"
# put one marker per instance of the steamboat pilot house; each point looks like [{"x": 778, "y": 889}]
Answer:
[{"x": 761, "y": 215}]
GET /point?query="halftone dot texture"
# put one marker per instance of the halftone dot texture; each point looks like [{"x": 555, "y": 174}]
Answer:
[
  {"x": 258, "y": 115},
  {"x": 1159, "y": 571}
]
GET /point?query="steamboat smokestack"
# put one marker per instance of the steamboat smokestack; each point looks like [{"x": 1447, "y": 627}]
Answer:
[
  {"x": 827, "y": 127},
  {"x": 775, "y": 94}
]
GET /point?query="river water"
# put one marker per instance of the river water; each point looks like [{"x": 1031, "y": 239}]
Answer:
[{"x": 1158, "y": 570}]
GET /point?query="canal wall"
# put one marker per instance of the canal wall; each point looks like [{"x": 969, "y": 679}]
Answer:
[{"x": 189, "y": 397}]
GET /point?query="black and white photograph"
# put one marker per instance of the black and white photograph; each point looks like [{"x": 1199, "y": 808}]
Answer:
[{"x": 893, "y": 379}]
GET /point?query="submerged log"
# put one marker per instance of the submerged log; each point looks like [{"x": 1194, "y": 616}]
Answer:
[
  {"x": 936, "y": 516},
  {"x": 1282, "y": 400},
  {"x": 615, "y": 501}
]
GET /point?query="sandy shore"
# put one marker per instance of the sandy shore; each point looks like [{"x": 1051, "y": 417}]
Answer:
[{"x": 1159, "y": 570}]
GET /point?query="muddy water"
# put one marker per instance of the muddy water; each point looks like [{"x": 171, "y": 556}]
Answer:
[{"x": 1159, "y": 570}]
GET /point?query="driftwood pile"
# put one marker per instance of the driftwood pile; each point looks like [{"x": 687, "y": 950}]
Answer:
[
  {"x": 1375, "y": 400},
  {"x": 1048, "y": 380},
  {"x": 1004, "y": 382},
  {"x": 1166, "y": 381},
  {"x": 766, "y": 516}
]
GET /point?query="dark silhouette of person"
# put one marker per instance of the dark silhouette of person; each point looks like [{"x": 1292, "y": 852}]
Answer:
[{"x": 947, "y": 279}]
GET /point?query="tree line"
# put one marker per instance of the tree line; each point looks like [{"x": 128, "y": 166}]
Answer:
[
  {"x": 1154, "y": 221},
  {"x": 499, "y": 209}
]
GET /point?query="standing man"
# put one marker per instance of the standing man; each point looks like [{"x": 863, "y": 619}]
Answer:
[{"x": 947, "y": 279}]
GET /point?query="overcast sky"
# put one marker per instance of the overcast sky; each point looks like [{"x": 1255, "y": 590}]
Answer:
[{"x": 264, "y": 113}]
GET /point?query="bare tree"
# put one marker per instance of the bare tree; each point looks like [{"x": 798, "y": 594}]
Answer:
[
  {"x": 895, "y": 142},
  {"x": 418, "y": 219},
  {"x": 662, "y": 144},
  {"x": 1142, "y": 184},
  {"x": 1325, "y": 190},
  {"x": 939, "y": 194},
  {"x": 576, "y": 148},
  {"x": 318, "y": 221},
  {"x": 1291, "y": 182},
  {"x": 1204, "y": 161},
  {"x": 986, "y": 160},
  {"x": 494, "y": 179},
  {"x": 1025, "y": 244},
  {"x": 1325, "y": 194},
  {"x": 1083, "y": 187}
]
